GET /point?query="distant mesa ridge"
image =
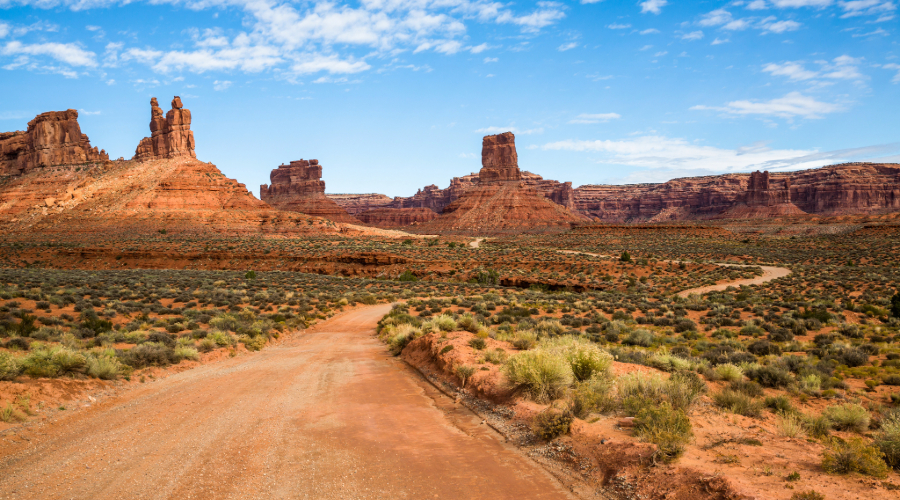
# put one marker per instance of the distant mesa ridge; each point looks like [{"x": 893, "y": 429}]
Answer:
[{"x": 298, "y": 187}]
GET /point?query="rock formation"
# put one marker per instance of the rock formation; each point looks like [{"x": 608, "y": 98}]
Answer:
[
  {"x": 52, "y": 139},
  {"x": 393, "y": 218},
  {"x": 356, "y": 203},
  {"x": 170, "y": 136},
  {"x": 501, "y": 202},
  {"x": 298, "y": 187}
]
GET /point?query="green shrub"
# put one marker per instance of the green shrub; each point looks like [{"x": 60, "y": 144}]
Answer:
[
  {"x": 790, "y": 425},
  {"x": 54, "y": 362},
  {"x": 770, "y": 376},
  {"x": 638, "y": 391},
  {"x": 747, "y": 387},
  {"x": 445, "y": 323},
  {"x": 495, "y": 356},
  {"x": 477, "y": 344},
  {"x": 669, "y": 429},
  {"x": 854, "y": 455},
  {"x": 252, "y": 343},
  {"x": 541, "y": 374},
  {"x": 408, "y": 276},
  {"x": 149, "y": 354},
  {"x": 818, "y": 426},
  {"x": 848, "y": 417},
  {"x": 103, "y": 367},
  {"x": 887, "y": 439},
  {"x": 552, "y": 423},
  {"x": 683, "y": 388},
  {"x": 807, "y": 495},
  {"x": 737, "y": 402},
  {"x": 779, "y": 404},
  {"x": 222, "y": 339},
  {"x": 729, "y": 372},
  {"x": 640, "y": 337},
  {"x": 585, "y": 359},
  {"x": 592, "y": 395},
  {"x": 206, "y": 345},
  {"x": 10, "y": 366},
  {"x": 191, "y": 353},
  {"x": 464, "y": 372}
]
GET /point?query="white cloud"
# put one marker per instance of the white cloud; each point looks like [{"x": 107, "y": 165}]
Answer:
[
  {"x": 616, "y": 26},
  {"x": 694, "y": 35},
  {"x": 88, "y": 113},
  {"x": 646, "y": 47},
  {"x": 221, "y": 84},
  {"x": 653, "y": 6},
  {"x": 893, "y": 66},
  {"x": 782, "y": 4},
  {"x": 567, "y": 46},
  {"x": 478, "y": 49},
  {"x": 757, "y": 5},
  {"x": 840, "y": 68},
  {"x": 650, "y": 31},
  {"x": 468, "y": 156},
  {"x": 772, "y": 26},
  {"x": 854, "y": 8},
  {"x": 790, "y": 106},
  {"x": 661, "y": 53},
  {"x": 586, "y": 118},
  {"x": 717, "y": 41},
  {"x": 717, "y": 17},
  {"x": 877, "y": 32},
  {"x": 4, "y": 30},
  {"x": 332, "y": 64},
  {"x": 490, "y": 60},
  {"x": 68, "y": 53}
]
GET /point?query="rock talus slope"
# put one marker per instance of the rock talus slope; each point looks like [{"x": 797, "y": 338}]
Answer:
[{"x": 298, "y": 187}]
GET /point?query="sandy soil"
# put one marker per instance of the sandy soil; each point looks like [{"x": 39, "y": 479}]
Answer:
[
  {"x": 769, "y": 273},
  {"x": 328, "y": 414}
]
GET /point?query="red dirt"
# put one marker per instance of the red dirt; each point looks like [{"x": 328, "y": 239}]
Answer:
[{"x": 327, "y": 414}]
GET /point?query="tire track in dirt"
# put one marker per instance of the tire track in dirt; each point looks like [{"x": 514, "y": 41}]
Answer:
[{"x": 327, "y": 414}]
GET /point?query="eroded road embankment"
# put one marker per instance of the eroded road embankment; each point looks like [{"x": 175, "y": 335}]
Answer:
[{"x": 328, "y": 414}]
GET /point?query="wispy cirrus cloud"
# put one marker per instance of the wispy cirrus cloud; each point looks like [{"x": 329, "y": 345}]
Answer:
[
  {"x": 589, "y": 118},
  {"x": 792, "y": 105}
]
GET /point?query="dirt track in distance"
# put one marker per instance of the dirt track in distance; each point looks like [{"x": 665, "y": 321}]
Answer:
[{"x": 327, "y": 414}]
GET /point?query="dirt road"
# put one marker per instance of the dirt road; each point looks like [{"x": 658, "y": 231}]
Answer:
[
  {"x": 328, "y": 414},
  {"x": 769, "y": 273}
]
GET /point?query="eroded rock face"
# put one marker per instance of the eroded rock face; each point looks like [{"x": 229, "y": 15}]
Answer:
[
  {"x": 52, "y": 139},
  {"x": 499, "y": 161},
  {"x": 298, "y": 187},
  {"x": 393, "y": 218},
  {"x": 170, "y": 135},
  {"x": 357, "y": 203}
]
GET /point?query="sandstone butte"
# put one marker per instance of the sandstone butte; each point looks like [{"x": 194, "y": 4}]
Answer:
[
  {"x": 298, "y": 187},
  {"x": 53, "y": 182},
  {"x": 501, "y": 202},
  {"x": 837, "y": 190}
]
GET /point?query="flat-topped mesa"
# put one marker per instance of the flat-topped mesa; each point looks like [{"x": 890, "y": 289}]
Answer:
[
  {"x": 298, "y": 187},
  {"x": 170, "y": 136},
  {"x": 53, "y": 138},
  {"x": 499, "y": 161}
]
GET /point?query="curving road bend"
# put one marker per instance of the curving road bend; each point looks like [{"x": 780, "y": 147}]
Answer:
[{"x": 328, "y": 414}]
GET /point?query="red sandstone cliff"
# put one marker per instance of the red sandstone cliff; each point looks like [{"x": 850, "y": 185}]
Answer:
[
  {"x": 170, "y": 136},
  {"x": 298, "y": 187},
  {"x": 501, "y": 201},
  {"x": 357, "y": 203},
  {"x": 393, "y": 218},
  {"x": 53, "y": 138}
]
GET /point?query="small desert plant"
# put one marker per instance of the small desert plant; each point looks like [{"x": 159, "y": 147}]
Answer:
[
  {"x": 10, "y": 413},
  {"x": 541, "y": 374},
  {"x": 103, "y": 367},
  {"x": 477, "y": 344},
  {"x": 888, "y": 439},
  {"x": 807, "y": 495},
  {"x": 738, "y": 402},
  {"x": 149, "y": 354},
  {"x": 191, "y": 353},
  {"x": 10, "y": 367},
  {"x": 854, "y": 455},
  {"x": 552, "y": 422},
  {"x": 464, "y": 372},
  {"x": 206, "y": 345},
  {"x": 640, "y": 337},
  {"x": 683, "y": 388},
  {"x": 848, "y": 417},
  {"x": 496, "y": 356},
  {"x": 524, "y": 340},
  {"x": 790, "y": 425},
  {"x": 445, "y": 323},
  {"x": 592, "y": 395},
  {"x": 585, "y": 358},
  {"x": 667, "y": 428},
  {"x": 818, "y": 426},
  {"x": 779, "y": 404},
  {"x": 729, "y": 372},
  {"x": 638, "y": 391}
]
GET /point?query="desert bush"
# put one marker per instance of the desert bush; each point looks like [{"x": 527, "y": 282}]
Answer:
[
  {"x": 807, "y": 495},
  {"x": 401, "y": 337},
  {"x": 779, "y": 404},
  {"x": 592, "y": 395},
  {"x": 477, "y": 343},
  {"x": 790, "y": 425},
  {"x": 669, "y": 429},
  {"x": 206, "y": 345},
  {"x": 161, "y": 338},
  {"x": 639, "y": 337},
  {"x": 770, "y": 376},
  {"x": 149, "y": 354},
  {"x": 811, "y": 383},
  {"x": 104, "y": 367},
  {"x": 10, "y": 366},
  {"x": 737, "y": 402},
  {"x": 17, "y": 344},
  {"x": 747, "y": 387},
  {"x": 729, "y": 372},
  {"x": 496, "y": 356},
  {"x": 541, "y": 374},
  {"x": 552, "y": 423},
  {"x": 854, "y": 456},
  {"x": 190, "y": 353},
  {"x": 585, "y": 359},
  {"x": 54, "y": 362},
  {"x": 683, "y": 388},
  {"x": 848, "y": 417},
  {"x": 221, "y": 339},
  {"x": 464, "y": 372},
  {"x": 468, "y": 323},
  {"x": 817, "y": 426},
  {"x": 549, "y": 327},
  {"x": 524, "y": 340},
  {"x": 445, "y": 323},
  {"x": 887, "y": 439},
  {"x": 638, "y": 391}
]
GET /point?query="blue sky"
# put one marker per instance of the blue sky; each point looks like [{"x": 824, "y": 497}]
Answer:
[{"x": 392, "y": 95}]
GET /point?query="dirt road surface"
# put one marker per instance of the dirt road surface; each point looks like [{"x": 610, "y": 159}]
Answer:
[
  {"x": 769, "y": 273},
  {"x": 328, "y": 414}
]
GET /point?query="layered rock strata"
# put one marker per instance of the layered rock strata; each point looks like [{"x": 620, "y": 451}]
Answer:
[
  {"x": 52, "y": 139},
  {"x": 356, "y": 203},
  {"x": 393, "y": 218},
  {"x": 298, "y": 187},
  {"x": 170, "y": 135},
  {"x": 501, "y": 202}
]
